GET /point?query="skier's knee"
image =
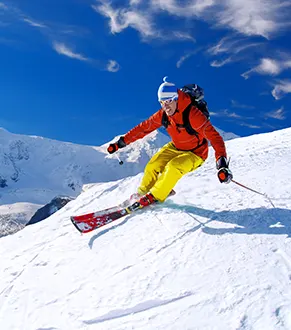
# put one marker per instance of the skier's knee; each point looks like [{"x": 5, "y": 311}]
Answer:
[
  {"x": 152, "y": 168},
  {"x": 183, "y": 168}
]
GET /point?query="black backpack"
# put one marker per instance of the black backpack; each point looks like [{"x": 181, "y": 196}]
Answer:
[{"x": 197, "y": 99}]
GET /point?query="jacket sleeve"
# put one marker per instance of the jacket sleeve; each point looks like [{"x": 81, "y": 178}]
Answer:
[
  {"x": 204, "y": 127},
  {"x": 144, "y": 128}
]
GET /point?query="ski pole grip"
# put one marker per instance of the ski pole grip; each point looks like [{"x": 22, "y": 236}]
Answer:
[
  {"x": 222, "y": 176},
  {"x": 117, "y": 145},
  {"x": 112, "y": 148}
]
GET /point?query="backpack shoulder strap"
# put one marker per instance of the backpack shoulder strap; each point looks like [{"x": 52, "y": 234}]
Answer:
[
  {"x": 165, "y": 120},
  {"x": 186, "y": 122},
  {"x": 190, "y": 130}
]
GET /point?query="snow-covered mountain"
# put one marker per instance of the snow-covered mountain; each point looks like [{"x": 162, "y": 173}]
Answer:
[
  {"x": 213, "y": 256},
  {"x": 31, "y": 164},
  {"x": 14, "y": 217},
  {"x": 34, "y": 170}
]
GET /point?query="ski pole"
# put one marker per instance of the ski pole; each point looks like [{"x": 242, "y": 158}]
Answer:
[
  {"x": 253, "y": 190},
  {"x": 120, "y": 161}
]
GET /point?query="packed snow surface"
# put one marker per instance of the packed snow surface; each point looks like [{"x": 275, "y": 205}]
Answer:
[{"x": 213, "y": 256}]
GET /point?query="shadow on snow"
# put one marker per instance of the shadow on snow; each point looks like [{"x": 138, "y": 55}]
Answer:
[
  {"x": 275, "y": 221},
  {"x": 106, "y": 230}
]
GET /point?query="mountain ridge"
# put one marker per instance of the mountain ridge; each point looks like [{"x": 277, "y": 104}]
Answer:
[{"x": 37, "y": 163}]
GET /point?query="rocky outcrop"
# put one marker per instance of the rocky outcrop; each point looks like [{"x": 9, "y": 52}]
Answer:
[{"x": 56, "y": 204}]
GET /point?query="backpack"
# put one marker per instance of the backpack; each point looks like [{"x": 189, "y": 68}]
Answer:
[{"x": 196, "y": 94}]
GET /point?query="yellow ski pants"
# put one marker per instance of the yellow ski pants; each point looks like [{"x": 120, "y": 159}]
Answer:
[{"x": 165, "y": 169}]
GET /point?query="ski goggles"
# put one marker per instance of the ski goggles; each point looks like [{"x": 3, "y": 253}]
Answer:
[{"x": 168, "y": 101}]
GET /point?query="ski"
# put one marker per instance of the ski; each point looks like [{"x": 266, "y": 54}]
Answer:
[
  {"x": 88, "y": 222},
  {"x": 91, "y": 221},
  {"x": 109, "y": 210}
]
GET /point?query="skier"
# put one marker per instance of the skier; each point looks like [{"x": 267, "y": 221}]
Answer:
[{"x": 185, "y": 153}]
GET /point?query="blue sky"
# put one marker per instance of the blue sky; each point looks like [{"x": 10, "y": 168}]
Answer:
[{"x": 86, "y": 71}]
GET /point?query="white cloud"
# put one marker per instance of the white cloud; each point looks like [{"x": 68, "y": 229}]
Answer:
[
  {"x": 62, "y": 49},
  {"x": 3, "y": 6},
  {"x": 180, "y": 35},
  {"x": 281, "y": 88},
  {"x": 236, "y": 104},
  {"x": 214, "y": 114},
  {"x": 220, "y": 63},
  {"x": 193, "y": 8},
  {"x": 244, "y": 47},
  {"x": 269, "y": 66},
  {"x": 234, "y": 115},
  {"x": 250, "y": 17},
  {"x": 34, "y": 23},
  {"x": 182, "y": 59},
  {"x": 249, "y": 125},
  {"x": 225, "y": 45},
  {"x": 112, "y": 66},
  {"x": 121, "y": 19},
  {"x": 226, "y": 114},
  {"x": 276, "y": 114},
  {"x": 135, "y": 2},
  {"x": 140, "y": 19},
  {"x": 232, "y": 45}
]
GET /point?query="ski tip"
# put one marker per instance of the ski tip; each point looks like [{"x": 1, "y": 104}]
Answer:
[{"x": 75, "y": 224}]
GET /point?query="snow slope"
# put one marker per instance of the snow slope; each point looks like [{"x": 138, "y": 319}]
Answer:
[{"x": 211, "y": 257}]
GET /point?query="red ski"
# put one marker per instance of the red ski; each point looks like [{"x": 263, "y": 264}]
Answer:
[{"x": 91, "y": 221}]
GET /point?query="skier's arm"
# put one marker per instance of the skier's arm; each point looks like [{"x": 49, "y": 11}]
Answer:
[
  {"x": 224, "y": 174},
  {"x": 138, "y": 132},
  {"x": 204, "y": 127},
  {"x": 211, "y": 134},
  {"x": 144, "y": 128}
]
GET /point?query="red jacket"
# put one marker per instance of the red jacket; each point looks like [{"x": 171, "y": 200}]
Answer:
[{"x": 180, "y": 138}]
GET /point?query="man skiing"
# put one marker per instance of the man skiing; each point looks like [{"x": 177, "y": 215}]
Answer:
[{"x": 185, "y": 153}]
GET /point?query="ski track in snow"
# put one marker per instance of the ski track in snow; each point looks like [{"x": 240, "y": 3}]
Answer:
[
  {"x": 211, "y": 257},
  {"x": 142, "y": 307}
]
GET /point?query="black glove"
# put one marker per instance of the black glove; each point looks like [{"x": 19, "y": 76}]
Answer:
[
  {"x": 117, "y": 145},
  {"x": 224, "y": 173}
]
